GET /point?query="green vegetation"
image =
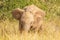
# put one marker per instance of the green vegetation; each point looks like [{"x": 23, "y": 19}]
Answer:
[{"x": 52, "y": 7}]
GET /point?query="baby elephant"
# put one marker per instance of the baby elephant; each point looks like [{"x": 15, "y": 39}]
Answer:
[
  {"x": 30, "y": 17},
  {"x": 25, "y": 19}
]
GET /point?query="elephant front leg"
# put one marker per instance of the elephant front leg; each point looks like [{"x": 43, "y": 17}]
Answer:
[{"x": 20, "y": 27}]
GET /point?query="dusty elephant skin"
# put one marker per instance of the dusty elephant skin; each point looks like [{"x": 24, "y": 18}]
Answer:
[
  {"x": 38, "y": 16},
  {"x": 30, "y": 17}
]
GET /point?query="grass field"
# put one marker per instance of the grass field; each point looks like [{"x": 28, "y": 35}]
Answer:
[{"x": 9, "y": 29}]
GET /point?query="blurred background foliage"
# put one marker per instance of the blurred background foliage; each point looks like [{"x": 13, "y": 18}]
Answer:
[{"x": 51, "y": 7}]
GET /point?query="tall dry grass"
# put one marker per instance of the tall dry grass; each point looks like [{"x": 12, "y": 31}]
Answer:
[{"x": 9, "y": 30}]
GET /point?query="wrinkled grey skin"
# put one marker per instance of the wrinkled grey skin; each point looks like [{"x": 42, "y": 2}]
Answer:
[{"x": 30, "y": 17}]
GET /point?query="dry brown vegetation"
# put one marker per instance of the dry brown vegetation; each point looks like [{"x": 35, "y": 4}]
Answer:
[{"x": 10, "y": 31}]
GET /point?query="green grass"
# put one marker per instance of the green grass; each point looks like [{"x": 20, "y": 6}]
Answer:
[{"x": 51, "y": 7}]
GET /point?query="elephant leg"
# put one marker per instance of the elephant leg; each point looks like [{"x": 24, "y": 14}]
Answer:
[
  {"x": 36, "y": 28},
  {"x": 20, "y": 27}
]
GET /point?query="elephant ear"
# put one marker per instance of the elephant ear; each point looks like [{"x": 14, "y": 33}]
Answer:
[
  {"x": 40, "y": 13},
  {"x": 16, "y": 13}
]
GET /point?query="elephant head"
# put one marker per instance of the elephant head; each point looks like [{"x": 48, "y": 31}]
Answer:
[{"x": 29, "y": 17}]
